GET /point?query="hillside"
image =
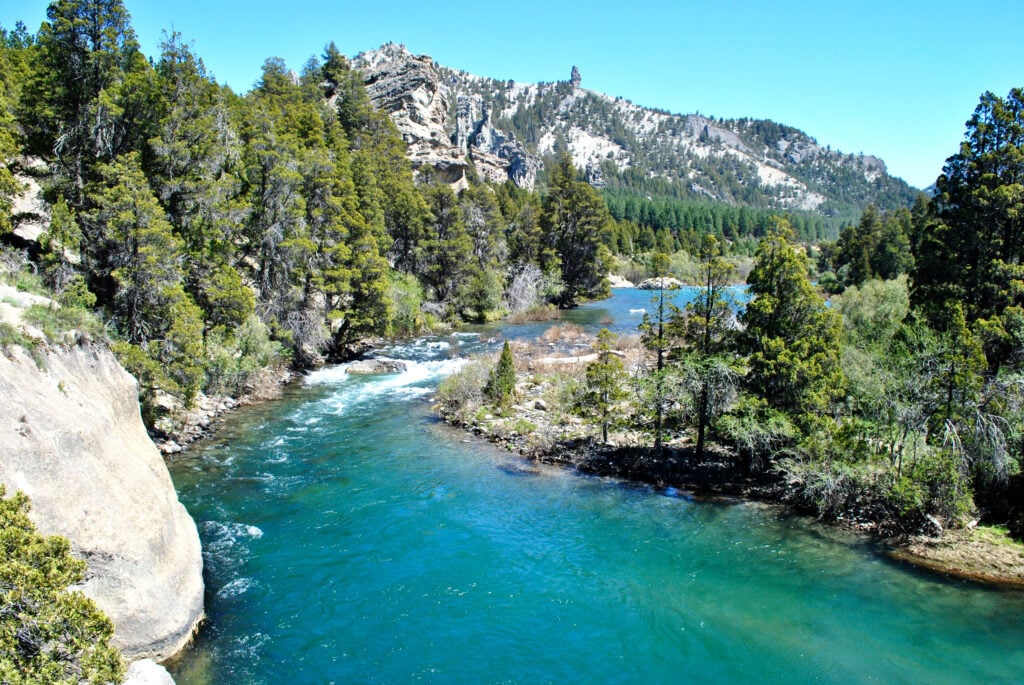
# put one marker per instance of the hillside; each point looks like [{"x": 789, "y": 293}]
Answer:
[{"x": 508, "y": 128}]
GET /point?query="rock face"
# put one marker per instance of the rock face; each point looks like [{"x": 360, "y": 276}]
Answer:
[
  {"x": 412, "y": 90},
  {"x": 72, "y": 438},
  {"x": 451, "y": 118}
]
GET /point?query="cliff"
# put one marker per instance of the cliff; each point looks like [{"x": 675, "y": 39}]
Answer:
[
  {"x": 506, "y": 129},
  {"x": 72, "y": 438}
]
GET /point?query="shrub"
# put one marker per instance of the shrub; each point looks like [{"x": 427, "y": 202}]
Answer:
[
  {"x": 461, "y": 394},
  {"x": 501, "y": 383},
  {"x": 48, "y": 634}
]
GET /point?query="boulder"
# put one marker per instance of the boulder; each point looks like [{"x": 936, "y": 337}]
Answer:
[
  {"x": 72, "y": 439},
  {"x": 369, "y": 367},
  {"x": 666, "y": 282},
  {"x": 147, "y": 672}
]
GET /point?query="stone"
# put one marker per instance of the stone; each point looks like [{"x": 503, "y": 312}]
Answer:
[
  {"x": 412, "y": 91},
  {"x": 376, "y": 366},
  {"x": 94, "y": 476},
  {"x": 147, "y": 672},
  {"x": 540, "y": 405},
  {"x": 666, "y": 282}
]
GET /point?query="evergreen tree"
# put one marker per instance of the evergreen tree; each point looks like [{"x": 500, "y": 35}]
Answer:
[
  {"x": 91, "y": 98},
  {"x": 501, "y": 382},
  {"x": 707, "y": 334},
  {"x": 657, "y": 338},
  {"x": 604, "y": 386},
  {"x": 576, "y": 224},
  {"x": 446, "y": 253},
  {"x": 792, "y": 339},
  {"x": 970, "y": 248}
]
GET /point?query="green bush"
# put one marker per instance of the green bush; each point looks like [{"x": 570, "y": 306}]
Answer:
[
  {"x": 461, "y": 394},
  {"x": 48, "y": 634},
  {"x": 11, "y": 336},
  {"x": 501, "y": 383},
  {"x": 57, "y": 322},
  {"x": 236, "y": 358}
]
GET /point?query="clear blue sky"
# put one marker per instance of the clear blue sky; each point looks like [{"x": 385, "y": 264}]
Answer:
[{"x": 892, "y": 78}]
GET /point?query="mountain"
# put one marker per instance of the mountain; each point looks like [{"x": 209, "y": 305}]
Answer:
[{"x": 452, "y": 120}]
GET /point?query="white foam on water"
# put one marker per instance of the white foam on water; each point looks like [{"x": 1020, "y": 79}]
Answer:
[
  {"x": 236, "y": 587},
  {"x": 327, "y": 375},
  {"x": 409, "y": 384}
]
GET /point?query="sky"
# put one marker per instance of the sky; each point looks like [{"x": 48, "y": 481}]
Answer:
[{"x": 892, "y": 78}]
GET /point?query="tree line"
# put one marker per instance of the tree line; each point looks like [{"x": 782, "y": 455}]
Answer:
[
  {"x": 899, "y": 401},
  {"x": 217, "y": 234}
]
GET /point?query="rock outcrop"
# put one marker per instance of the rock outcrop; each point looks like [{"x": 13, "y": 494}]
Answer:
[
  {"x": 72, "y": 439},
  {"x": 449, "y": 139},
  {"x": 453, "y": 120},
  {"x": 663, "y": 283}
]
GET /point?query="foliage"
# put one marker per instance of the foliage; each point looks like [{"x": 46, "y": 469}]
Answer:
[
  {"x": 970, "y": 244},
  {"x": 604, "y": 386},
  {"x": 501, "y": 382},
  {"x": 461, "y": 394},
  {"x": 707, "y": 343},
  {"x": 48, "y": 634},
  {"x": 576, "y": 222},
  {"x": 791, "y": 338},
  {"x": 57, "y": 322},
  {"x": 877, "y": 247}
]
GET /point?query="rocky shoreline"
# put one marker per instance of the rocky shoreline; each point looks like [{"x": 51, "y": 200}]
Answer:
[
  {"x": 179, "y": 428},
  {"x": 975, "y": 555}
]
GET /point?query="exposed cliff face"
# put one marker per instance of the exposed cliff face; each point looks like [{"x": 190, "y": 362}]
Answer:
[
  {"x": 443, "y": 129},
  {"x": 506, "y": 128},
  {"x": 72, "y": 438}
]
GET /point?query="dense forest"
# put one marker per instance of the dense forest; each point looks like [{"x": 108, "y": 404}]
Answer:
[
  {"x": 211, "y": 236},
  {"x": 215, "y": 235}
]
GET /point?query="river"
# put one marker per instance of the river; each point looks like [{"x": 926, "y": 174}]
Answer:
[{"x": 350, "y": 537}]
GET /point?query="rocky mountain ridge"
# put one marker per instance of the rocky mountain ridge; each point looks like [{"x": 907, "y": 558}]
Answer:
[{"x": 452, "y": 119}]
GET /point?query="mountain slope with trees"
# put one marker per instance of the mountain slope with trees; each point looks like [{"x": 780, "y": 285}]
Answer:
[{"x": 513, "y": 129}]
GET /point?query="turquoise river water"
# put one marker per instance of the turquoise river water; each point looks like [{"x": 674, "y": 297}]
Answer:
[{"x": 350, "y": 537}]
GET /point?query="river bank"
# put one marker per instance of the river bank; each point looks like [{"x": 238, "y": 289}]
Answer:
[
  {"x": 350, "y": 535},
  {"x": 538, "y": 429}
]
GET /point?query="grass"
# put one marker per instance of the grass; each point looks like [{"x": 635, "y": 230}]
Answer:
[
  {"x": 996, "y": 535},
  {"x": 10, "y": 336},
  {"x": 57, "y": 322}
]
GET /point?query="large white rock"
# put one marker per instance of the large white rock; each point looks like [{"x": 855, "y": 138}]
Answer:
[
  {"x": 72, "y": 438},
  {"x": 147, "y": 672}
]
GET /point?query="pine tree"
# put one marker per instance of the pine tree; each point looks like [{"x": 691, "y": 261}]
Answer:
[
  {"x": 48, "y": 633},
  {"x": 501, "y": 382},
  {"x": 707, "y": 336},
  {"x": 792, "y": 339},
  {"x": 90, "y": 99},
  {"x": 576, "y": 225},
  {"x": 656, "y": 337},
  {"x": 604, "y": 385},
  {"x": 970, "y": 247}
]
